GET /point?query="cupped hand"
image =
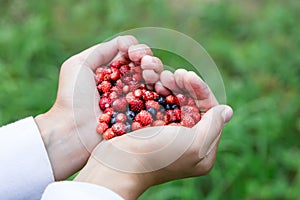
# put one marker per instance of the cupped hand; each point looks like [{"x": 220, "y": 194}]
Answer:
[
  {"x": 133, "y": 162},
  {"x": 68, "y": 129}
]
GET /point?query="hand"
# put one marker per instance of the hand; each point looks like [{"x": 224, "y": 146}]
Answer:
[
  {"x": 134, "y": 162},
  {"x": 68, "y": 129}
]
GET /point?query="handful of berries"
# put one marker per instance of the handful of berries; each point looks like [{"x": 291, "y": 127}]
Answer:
[{"x": 128, "y": 105}]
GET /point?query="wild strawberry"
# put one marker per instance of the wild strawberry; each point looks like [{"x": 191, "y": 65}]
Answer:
[
  {"x": 170, "y": 116},
  {"x": 158, "y": 123},
  {"x": 187, "y": 121},
  {"x": 119, "y": 105},
  {"x": 142, "y": 86},
  {"x": 136, "y": 126},
  {"x": 171, "y": 99},
  {"x": 136, "y": 105},
  {"x": 148, "y": 95},
  {"x": 113, "y": 96},
  {"x": 115, "y": 75},
  {"x": 124, "y": 69},
  {"x": 121, "y": 117},
  {"x": 182, "y": 99},
  {"x": 104, "y": 118},
  {"x": 109, "y": 111},
  {"x": 160, "y": 116},
  {"x": 130, "y": 97},
  {"x": 144, "y": 118},
  {"x": 104, "y": 103},
  {"x": 138, "y": 93},
  {"x": 133, "y": 85},
  {"x": 105, "y": 86},
  {"x": 98, "y": 78},
  {"x": 106, "y": 74},
  {"x": 116, "y": 89},
  {"x": 155, "y": 96},
  {"x": 177, "y": 113},
  {"x": 119, "y": 128},
  {"x": 116, "y": 64},
  {"x": 108, "y": 134},
  {"x": 152, "y": 104},
  {"x": 101, "y": 128},
  {"x": 125, "y": 89}
]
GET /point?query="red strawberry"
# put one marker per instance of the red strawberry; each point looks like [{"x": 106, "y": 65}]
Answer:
[
  {"x": 170, "y": 116},
  {"x": 105, "y": 86},
  {"x": 116, "y": 89},
  {"x": 187, "y": 121},
  {"x": 119, "y": 105},
  {"x": 144, "y": 118},
  {"x": 124, "y": 69},
  {"x": 116, "y": 64},
  {"x": 182, "y": 99},
  {"x": 106, "y": 74},
  {"x": 115, "y": 75},
  {"x": 125, "y": 89},
  {"x": 148, "y": 95},
  {"x": 130, "y": 97},
  {"x": 102, "y": 127},
  {"x": 119, "y": 128},
  {"x": 152, "y": 104},
  {"x": 171, "y": 99},
  {"x": 136, "y": 126},
  {"x": 177, "y": 113},
  {"x": 158, "y": 123},
  {"x": 108, "y": 134},
  {"x": 104, "y": 118},
  {"x": 133, "y": 85},
  {"x": 136, "y": 105},
  {"x": 138, "y": 93},
  {"x": 109, "y": 111},
  {"x": 113, "y": 96},
  {"x": 121, "y": 117},
  {"x": 104, "y": 103}
]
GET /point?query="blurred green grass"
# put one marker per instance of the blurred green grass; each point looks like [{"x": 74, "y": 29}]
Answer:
[{"x": 255, "y": 44}]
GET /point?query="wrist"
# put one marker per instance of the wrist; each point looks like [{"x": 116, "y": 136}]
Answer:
[
  {"x": 65, "y": 151},
  {"x": 127, "y": 185}
]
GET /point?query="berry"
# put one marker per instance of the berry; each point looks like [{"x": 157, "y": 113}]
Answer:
[
  {"x": 170, "y": 116},
  {"x": 152, "y": 104},
  {"x": 102, "y": 127},
  {"x": 124, "y": 69},
  {"x": 113, "y": 96},
  {"x": 130, "y": 97},
  {"x": 182, "y": 99},
  {"x": 187, "y": 121},
  {"x": 136, "y": 77},
  {"x": 121, "y": 117},
  {"x": 171, "y": 99},
  {"x": 177, "y": 113},
  {"x": 104, "y": 103},
  {"x": 128, "y": 127},
  {"x": 115, "y": 75},
  {"x": 174, "y": 106},
  {"x": 119, "y": 105},
  {"x": 148, "y": 95},
  {"x": 105, "y": 86},
  {"x": 116, "y": 89},
  {"x": 119, "y": 84},
  {"x": 104, "y": 118},
  {"x": 108, "y": 134},
  {"x": 116, "y": 64},
  {"x": 136, "y": 126},
  {"x": 160, "y": 116},
  {"x": 158, "y": 123},
  {"x": 130, "y": 115},
  {"x": 144, "y": 118},
  {"x": 152, "y": 111},
  {"x": 109, "y": 111},
  {"x": 119, "y": 128},
  {"x": 162, "y": 100},
  {"x": 112, "y": 121},
  {"x": 106, "y": 74},
  {"x": 189, "y": 109},
  {"x": 136, "y": 105},
  {"x": 138, "y": 93}
]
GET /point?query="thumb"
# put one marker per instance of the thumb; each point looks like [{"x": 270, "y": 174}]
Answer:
[{"x": 209, "y": 128}]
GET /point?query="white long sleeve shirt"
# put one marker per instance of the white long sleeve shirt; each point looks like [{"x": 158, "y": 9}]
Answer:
[{"x": 26, "y": 173}]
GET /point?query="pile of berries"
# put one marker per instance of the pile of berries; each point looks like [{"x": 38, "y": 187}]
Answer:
[{"x": 128, "y": 105}]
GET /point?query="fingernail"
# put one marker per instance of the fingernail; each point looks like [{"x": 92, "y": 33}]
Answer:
[{"x": 227, "y": 114}]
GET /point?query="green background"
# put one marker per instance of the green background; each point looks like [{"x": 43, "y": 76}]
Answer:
[{"x": 255, "y": 44}]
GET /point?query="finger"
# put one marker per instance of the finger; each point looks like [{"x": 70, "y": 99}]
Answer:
[
  {"x": 179, "y": 75},
  {"x": 137, "y": 52},
  {"x": 150, "y": 76},
  {"x": 101, "y": 54},
  {"x": 160, "y": 89},
  {"x": 209, "y": 128},
  {"x": 152, "y": 63},
  {"x": 168, "y": 81}
]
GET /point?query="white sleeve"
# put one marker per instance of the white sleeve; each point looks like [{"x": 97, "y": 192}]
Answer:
[
  {"x": 25, "y": 170},
  {"x": 78, "y": 191}
]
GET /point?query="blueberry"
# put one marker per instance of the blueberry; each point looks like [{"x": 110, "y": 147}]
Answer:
[
  {"x": 168, "y": 106},
  {"x": 162, "y": 109},
  {"x": 162, "y": 100},
  {"x": 114, "y": 114},
  {"x": 128, "y": 127},
  {"x": 152, "y": 111},
  {"x": 174, "y": 106},
  {"x": 130, "y": 115},
  {"x": 112, "y": 121}
]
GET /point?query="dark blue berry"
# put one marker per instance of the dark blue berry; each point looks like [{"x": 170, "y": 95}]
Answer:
[
  {"x": 128, "y": 127},
  {"x": 130, "y": 115},
  {"x": 174, "y": 106},
  {"x": 112, "y": 121},
  {"x": 152, "y": 111},
  {"x": 168, "y": 106},
  {"x": 114, "y": 114},
  {"x": 162, "y": 100},
  {"x": 162, "y": 109}
]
